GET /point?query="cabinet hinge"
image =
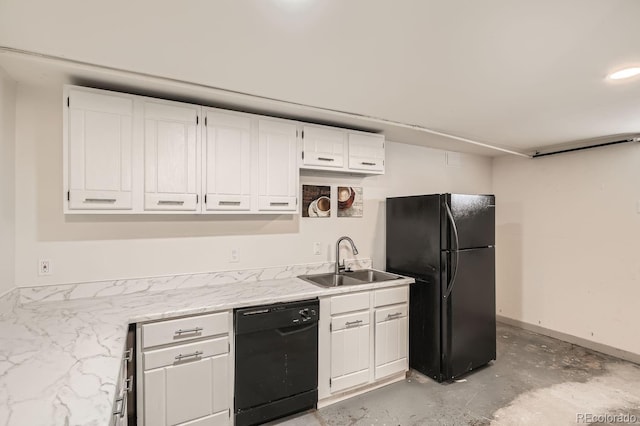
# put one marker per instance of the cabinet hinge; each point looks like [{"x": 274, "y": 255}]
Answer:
[
  {"x": 68, "y": 102},
  {"x": 68, "y": 195}
]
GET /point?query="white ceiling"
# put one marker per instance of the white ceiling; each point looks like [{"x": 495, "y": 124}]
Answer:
[{"x": 515, "y": 74}]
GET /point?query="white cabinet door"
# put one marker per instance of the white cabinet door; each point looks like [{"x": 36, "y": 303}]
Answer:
[
  {"x": 391, "y": 340},
  {"x": 323, "y": 147},
  {"x": 171, "y": 144},
  {"x": 227, "y": 162},
  {"x": 99, "y": 150},
  {"x": 366, "y": 152},
  {"x": 188, "y": 391},
  {"x": 350, "y": 350},
  {"x": 277, "y": 166}
]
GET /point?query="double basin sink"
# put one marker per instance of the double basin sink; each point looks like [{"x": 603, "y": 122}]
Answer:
[{"x": 348, "y": 278}]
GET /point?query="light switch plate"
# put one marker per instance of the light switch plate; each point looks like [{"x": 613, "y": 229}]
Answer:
[{"x": 317, "y": 249}]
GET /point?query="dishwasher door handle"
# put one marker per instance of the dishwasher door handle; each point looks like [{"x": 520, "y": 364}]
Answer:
[{"x": 287, "y": 331}]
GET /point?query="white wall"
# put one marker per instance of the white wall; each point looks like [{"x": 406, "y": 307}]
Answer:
[
  {"x": 7, "y": 181},
  {"x": 93, "y": 248},
  {"x": 568, "y": 243}
]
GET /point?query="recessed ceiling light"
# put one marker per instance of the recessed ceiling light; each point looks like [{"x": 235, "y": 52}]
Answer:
[{"x": 624, "y": 73}]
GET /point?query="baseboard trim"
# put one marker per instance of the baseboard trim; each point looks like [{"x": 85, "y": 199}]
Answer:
[
  {"x": 350, "y": 393},
  {"x": 599, "y": 347}
]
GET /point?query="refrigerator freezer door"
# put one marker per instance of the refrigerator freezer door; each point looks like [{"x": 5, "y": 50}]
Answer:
[
  {"x": 413, "y": 237},
  {"x": 469, "y": 313},
  {"x": 474, "y": 216}
]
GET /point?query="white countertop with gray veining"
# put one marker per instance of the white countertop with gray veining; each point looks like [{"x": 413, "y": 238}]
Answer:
[{"x": 59, "y": 360}]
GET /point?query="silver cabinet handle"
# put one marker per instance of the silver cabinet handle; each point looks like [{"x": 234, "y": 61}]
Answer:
[
  {"x": 348, "y": 323},
  {"x": 120, "y": 403},
  {"x": 170, "y": 203},
  {"x": 366, "y": 163},
  {"x": 189, "y": 330},
  {"x": 128, "y": 355},
  {"x": 228, "y": 203},
  {"x": 196, "y": 354},
  {"x": 394, "y": 315},
  {"x": 100, "y": 200},
  {"x": 273, "y": 203},
  {"x": 325, "y": 159},
  {"x": 129, "y": 384}
]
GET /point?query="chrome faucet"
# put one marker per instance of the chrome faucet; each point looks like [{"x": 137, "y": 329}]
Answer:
[{"x": 353, "y": 248}]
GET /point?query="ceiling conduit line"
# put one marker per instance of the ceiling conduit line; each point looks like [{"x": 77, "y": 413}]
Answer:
[
  {"x": 372, "y": 119},
  {"x": 539, "y": 154}
]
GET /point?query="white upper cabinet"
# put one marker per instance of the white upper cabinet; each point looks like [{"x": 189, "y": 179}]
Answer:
[
  {"x": 277, "y": 166},
  {"x": 342, "y": 150},
  {"x": 227, "y": 161},
  {"x": 98, "y": 150},
  {"x": 323, "y": 147},
  {"x": 133, "y": 154},
  {"x": 171, "y": 156},
  {"x": 366, "y": 152}
]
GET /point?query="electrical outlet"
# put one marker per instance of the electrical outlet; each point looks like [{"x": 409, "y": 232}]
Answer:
[
  {"x": 235, "y": 256},
  {"x": 317, "y": 249},
  {"x": 44, "y": 267}
]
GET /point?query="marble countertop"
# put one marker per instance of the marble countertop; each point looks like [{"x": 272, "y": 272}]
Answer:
[{"x": 59, "y": 360}]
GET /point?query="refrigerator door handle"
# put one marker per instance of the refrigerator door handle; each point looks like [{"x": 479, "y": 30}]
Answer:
[{"x": 457, "y": 247}]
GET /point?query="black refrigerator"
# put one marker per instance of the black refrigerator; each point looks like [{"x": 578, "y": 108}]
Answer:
[{"x": 446, "y": 242}]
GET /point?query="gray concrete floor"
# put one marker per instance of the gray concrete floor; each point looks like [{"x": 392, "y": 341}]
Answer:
[{"x": 536, "y": 380}]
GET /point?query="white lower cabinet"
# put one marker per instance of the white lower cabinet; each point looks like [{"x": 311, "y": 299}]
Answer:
[
  {"x": 350, "y": 350},
  {"x": 364, "y": 340},
  {"x": 187, "y": 383},
  {"x": 391, "y": 340}
]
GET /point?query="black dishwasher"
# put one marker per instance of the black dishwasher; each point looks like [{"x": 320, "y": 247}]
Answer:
[{"x": 276, "y": 354}]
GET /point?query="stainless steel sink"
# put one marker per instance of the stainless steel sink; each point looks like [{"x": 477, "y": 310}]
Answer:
[
  {"x": 365, "y": 276},
  {"x": 371, "y": 276}
]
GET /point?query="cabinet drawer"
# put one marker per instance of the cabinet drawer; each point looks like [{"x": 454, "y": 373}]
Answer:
[
  {"x": 274, "y": 203},
  {"x": 228, "y": 202},
  {"x": 181, "y": 354},
  {"x": 184, "y": 329},
  {"x": 391, "y": 296},
  {"x": 341, "y": 322},
  {"x": 100, "y": 200},
  {"x": 390, "y": 313},
  {"x": 349, "y": 303},
  {"x": 170, "y": 202}
]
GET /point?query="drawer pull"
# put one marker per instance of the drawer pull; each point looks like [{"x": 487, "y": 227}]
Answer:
[
  {"x": 350, "y": 323},
  {"x": 366, "y": 163},
  {"x": 189, "y": 330},
  {"x": 170, "y": 203},
  {"x": 128, "y": 355},
  {"x": 228, "y": 203},
  {"x": 100, "y": 200},
  {"x": 196, "y": 354},
  {"x": 394, "y": 315},
  {"x": 326, "y": 159},
  {"x": 273, "y": 203},
  {"x": 129, "y": 384},
  {"x": 120, "y": 404}
]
